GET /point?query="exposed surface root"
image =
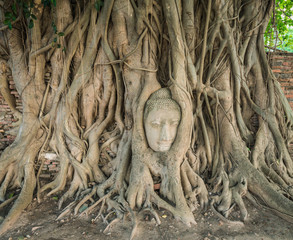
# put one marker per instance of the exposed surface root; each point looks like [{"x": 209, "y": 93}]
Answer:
[
  {"x": 106, "y": 66},
  {"x": 224, "y": 219}
]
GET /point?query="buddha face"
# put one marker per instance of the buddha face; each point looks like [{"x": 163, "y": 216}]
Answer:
[{"x": 161, "y": 128}]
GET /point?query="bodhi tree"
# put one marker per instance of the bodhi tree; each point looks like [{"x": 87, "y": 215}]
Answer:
[{"x": 150, "y": 104}]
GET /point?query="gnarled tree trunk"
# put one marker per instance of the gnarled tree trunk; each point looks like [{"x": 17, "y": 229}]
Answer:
[{"x": 105, "y": 64}]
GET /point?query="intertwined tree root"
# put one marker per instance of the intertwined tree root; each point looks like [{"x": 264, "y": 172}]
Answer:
[{"x": 105, "y": 64}]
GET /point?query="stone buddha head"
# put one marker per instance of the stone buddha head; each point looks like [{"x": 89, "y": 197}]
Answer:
[{"x": 162, "y": 116}]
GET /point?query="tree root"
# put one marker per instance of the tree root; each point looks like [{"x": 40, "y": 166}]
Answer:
[
  {"x": 224, "y": 219},
  {"x": 111, "y": 224},
  {"x": 7, "y": 202},
  {"x": 259, "y": 186},
  {"x": 230, "y": 196},
  {"x": 7, "y": 181},
  {"x": 23, "y": 200},
  {"x": 66, "y": 211},
  {"x": 184, "y": 216},
  {"x": 193, "y": 187},
  {"x": 98, "y": 93}
]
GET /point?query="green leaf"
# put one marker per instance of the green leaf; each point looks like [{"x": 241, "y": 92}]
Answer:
[
  {"x": 8, "y": 14},
  {"x": 98, "y": 4},
  {"x": 46, "y": 3},
  {"x": 55, "y": 40},
  {"x": 31, "y": 24},
  {"x": 54, "y": 27},
  {"x": 33, "y": 16},
  {"x": 58, "y": 45},
  {"x": 61, "y": 34},
  {"x": 14, "y": 8},
  {"x": 27, "y": 14},
  {"x": 55, "y": 198},
  {"x": 10, "y": 195},
  {"x": 6, "y": 21},
  {"x": 54, "y": 2}
]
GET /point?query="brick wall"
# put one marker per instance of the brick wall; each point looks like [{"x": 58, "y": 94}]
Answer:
[
  {"x": 50, "y": 165},
  {"x": 281, "y": 63},
  {"x": 6, "y": 117},
  {"x": 7, "y": 135},
  {"x": 282, "y": 66}
]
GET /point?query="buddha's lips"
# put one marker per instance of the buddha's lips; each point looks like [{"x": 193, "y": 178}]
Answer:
[{"x": 164, "y": 145}]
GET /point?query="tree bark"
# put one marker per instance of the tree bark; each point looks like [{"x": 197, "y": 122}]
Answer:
[{"x": 105, "y": 64}]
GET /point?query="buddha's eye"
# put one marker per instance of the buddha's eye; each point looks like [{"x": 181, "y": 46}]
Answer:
[{"x": 155, "y": 124}]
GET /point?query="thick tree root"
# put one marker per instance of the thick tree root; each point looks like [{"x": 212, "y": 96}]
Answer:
[
  {"x": 24, "y": 199},
  {"x": 259, "y": 186},
  {"x": 224, "y": 219},
  {"x": 93, "y": 108}
]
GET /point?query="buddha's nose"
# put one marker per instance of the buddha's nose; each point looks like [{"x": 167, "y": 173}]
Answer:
[{"x": 165, "y": 133}]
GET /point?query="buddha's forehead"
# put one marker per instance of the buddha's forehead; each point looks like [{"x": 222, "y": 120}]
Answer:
[{"x": 164, "y": 114}]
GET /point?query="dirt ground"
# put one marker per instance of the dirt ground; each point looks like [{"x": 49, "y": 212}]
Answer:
[{"x": 39, "y": 222}]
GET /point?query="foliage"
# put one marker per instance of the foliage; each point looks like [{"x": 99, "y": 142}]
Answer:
[
  {"x": 22, "y": 7},
  {"x": 99, "y": 4},
  {"x": 49, "y": 2},
  {"x": 25, "y": 7},
  {"x": 279, "y": 32}
]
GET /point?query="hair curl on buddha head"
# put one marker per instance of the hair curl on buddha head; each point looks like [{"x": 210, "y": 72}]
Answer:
[{"x": 161, "y": 99}]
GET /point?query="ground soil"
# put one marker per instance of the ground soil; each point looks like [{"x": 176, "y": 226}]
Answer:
[{"x": 39, "y": 222}]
